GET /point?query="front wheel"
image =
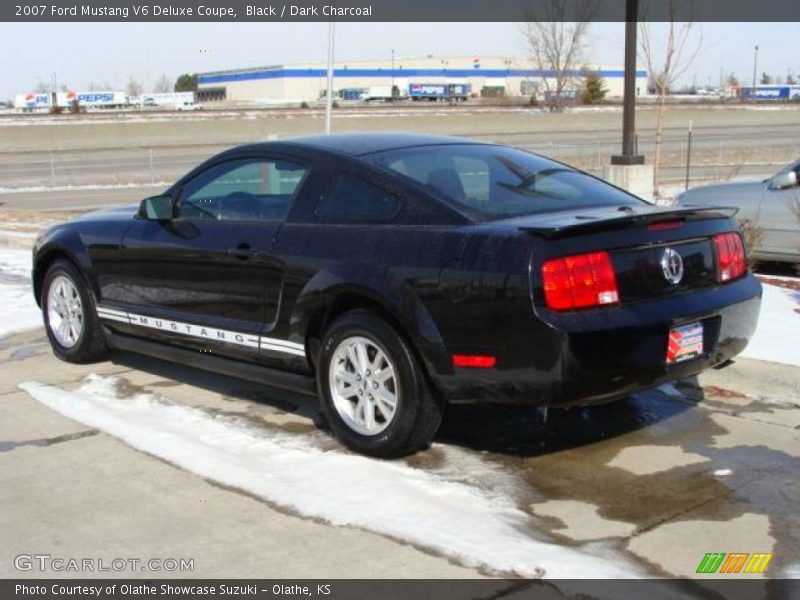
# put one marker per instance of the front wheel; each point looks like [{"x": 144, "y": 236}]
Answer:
[
  {"x": 372, "y": 389},
  {"x": 70, "y": 317}
]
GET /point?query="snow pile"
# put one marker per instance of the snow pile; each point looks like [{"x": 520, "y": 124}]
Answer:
[
  {"x": 20, "y": 312},
  {"x": 93, "y": 186},
  {"x": 473, "y": 525},
  {"x": 777, "y": 337},
  {"x": 791, "y": 571}
]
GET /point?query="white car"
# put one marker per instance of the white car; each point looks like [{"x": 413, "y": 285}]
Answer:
[
  {"x": 771, "y": 207},
  {"x": 187, "y": 105}
]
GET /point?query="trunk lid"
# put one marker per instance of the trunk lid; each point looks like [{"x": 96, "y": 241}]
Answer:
[
  {"x": 655, "y": 252},
  {"x": 650, "y": 271}
]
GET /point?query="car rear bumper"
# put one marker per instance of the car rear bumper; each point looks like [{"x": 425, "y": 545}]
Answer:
[{"x": 596, "y": 356}]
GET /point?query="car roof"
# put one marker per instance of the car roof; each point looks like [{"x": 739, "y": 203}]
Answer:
[{"x": 359, "y": 144}]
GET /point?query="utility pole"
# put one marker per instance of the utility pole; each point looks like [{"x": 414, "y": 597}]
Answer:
[
  {"x": 329, "y": 92},
  {"x": 755, "y": 66},
  {"x": 629, "y": 156},
  {"x": 392, "y": 92},
  {"x": 628, "y": 169}
]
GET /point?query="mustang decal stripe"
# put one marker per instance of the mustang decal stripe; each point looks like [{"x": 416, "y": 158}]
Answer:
[
  {"x": 111, "y": 311},
  {"x": 114, "y": 318},
  {"x": 203, "y": 332},
  {"x": 277, "y": 342},
  {"x": 112, "y": 315},
  {"x": 284, "y": 349}
]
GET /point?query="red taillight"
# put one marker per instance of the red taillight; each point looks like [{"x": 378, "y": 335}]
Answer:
[
  {"x": 474, "y": 360},
  {"x": 579, "y": 281},
  {"x": 731, "y": 261}
]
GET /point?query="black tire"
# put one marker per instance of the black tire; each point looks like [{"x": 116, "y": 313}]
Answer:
[
  {"x": 91, "y": 344},
  {"x": 418, "y": 412}
]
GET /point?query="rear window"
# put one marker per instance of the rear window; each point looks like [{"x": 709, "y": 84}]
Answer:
[{"x": 499, "y": 182}]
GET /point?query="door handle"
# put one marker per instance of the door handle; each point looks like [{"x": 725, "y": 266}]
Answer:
[{"x": 243, "y": 251}]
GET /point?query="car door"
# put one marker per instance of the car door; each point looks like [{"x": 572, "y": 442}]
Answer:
[
  {"x": 206, "y": 279},
  {"x": 779, "y": 219},
  {"x": 343, "y": 219}
]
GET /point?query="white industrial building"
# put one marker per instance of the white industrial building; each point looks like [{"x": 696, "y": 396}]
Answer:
[{"x": 295, "y": 83}]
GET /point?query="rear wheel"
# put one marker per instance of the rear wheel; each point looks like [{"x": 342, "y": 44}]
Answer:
[
  {"x": 372, "y": 389},
  {"x": 70, "y": 316}
]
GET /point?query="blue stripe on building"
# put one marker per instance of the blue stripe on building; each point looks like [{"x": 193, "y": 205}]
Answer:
[{"x": 397, "y": 73}]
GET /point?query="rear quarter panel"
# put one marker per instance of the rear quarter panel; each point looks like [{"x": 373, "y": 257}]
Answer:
[{"x": 451, "y": 290}]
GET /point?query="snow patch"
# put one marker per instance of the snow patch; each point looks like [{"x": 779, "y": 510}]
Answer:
[
  {"x": 791, "y": 571},
  {"x": 66, "y": 188},
  {"x": 470, "y": 524},
  {"x": 723, "y": 472},
  {"x": 256, "y": 110},
  {"x": 20, "y": 312},
  {"x": 778, "y": 328}
]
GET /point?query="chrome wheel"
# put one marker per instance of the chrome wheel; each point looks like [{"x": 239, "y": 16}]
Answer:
[
  {"x": 364, "y": 385},
  {"x": 65, "y": 311}
]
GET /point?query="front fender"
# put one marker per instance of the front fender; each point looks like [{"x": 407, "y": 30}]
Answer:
[
  {"x": 57, "y": 242},
  {"x": 90, "y": 242}
]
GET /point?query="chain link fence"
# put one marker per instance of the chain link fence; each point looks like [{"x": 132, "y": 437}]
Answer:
[{"x": 712, "y": 159}]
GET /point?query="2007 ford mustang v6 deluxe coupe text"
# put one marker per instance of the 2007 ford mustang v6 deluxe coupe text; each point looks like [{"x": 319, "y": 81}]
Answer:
[{"x": 391, "y": 274}]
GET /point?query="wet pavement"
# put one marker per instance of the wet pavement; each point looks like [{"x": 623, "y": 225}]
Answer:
[{"x": 661, "y": 478}]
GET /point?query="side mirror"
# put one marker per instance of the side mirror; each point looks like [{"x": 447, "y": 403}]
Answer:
[
  {"x": 784, "y": 180},
  {"x": 156, "y": 208}
]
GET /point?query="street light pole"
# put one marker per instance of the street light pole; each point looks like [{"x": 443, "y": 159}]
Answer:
[
  {"x": 755, "y": 66},
  {"x": 329, "y": 92},
  {"x": 629, "y": 156},
  {"x": 392, "y": 92}
]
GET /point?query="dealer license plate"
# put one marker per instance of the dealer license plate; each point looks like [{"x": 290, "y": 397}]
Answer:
[{"x": 685, "y": 343}]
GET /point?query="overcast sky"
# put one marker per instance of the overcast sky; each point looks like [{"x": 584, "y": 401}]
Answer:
[{"x": 80, "y": 53}]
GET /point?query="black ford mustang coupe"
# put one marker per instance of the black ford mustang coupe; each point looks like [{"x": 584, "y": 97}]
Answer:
[{"x": 391, "y": 274}]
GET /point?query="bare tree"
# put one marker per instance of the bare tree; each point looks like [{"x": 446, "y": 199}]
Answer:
[
  {"x": 163, "y": 84},
  {"x": 667, "y": 63},
  {"x": 41, "y": 87},
  {"x": 134, "y": 87},
  {"x": 555, "y": 43}
]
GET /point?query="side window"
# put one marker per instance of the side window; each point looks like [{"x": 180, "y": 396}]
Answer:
[
  {"x": 352, "y": 198},
  {"x": 252, "y": 189}
]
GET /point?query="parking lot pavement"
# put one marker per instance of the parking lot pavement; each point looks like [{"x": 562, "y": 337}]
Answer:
[
  {"x": 73, "y": 492},
  {"x": 645, "y": 486}
]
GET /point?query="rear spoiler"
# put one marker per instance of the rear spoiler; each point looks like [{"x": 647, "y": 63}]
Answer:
[{"x": 590, "y": 223}]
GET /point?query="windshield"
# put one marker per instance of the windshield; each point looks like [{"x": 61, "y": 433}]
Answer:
[{"x": 499, "y": 182}]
